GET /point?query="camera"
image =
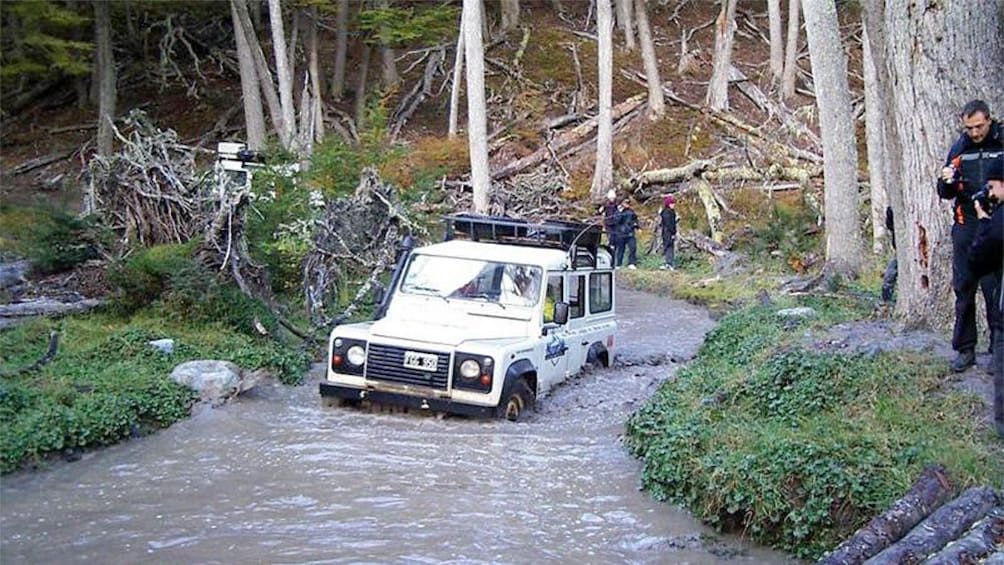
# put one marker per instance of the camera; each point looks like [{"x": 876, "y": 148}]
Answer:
[{"x": 987, "y": 202}]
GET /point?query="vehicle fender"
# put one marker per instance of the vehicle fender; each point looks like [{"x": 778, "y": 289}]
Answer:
[
  {"x": 598, "y": 354},
  {"x": 517, "y": 370}
]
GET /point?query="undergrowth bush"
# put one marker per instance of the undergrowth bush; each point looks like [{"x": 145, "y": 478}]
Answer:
[
  {"x": 799, "y": 447},
  {"x": 51, "y": 238},
  {"x": 107, "y": 383}
]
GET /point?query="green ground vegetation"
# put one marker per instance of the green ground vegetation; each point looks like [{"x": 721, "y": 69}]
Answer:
[{"x": 797, "y": 446}]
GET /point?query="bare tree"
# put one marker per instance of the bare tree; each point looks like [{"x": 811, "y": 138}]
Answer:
[
  {"x": 254, "y": 115},
  {"x": 922, "y": 87},
  {"x": 265, "y": 80},
  {"x": 875, "y": 140},
  {"x": 341, "y": 47},
  {"x": 458, "y": 69},
  {"x": 603, "y": 174},
  {"x": 477, "y": 121},
  {"x": 282, "y": 72},
  {"x": 725, "y": 27},
  {"x": 624, "y": 19},
  {"x": 776, "y": 40},
  {"x": 656, "y": 97},
  {"x": 791, "y": 51},
  {"x": 836, "y": 126},
  {"x": 316, "y": 110},
  {"x": 105, "y": 65},
  {"x": 510, "y": 14}
]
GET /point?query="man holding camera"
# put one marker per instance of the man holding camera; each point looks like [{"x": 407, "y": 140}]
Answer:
[
  {"x": 964, "y": 174},
  {"x": 986, "y": 257}
]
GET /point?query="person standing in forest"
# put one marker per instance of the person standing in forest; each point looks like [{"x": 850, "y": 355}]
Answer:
[
  {"x": 962, "y": 176},
  {"x": 668, "y": 220},
  {"x": 609, "y": 210},
  {"x": 986, "y": 258},
  {"x": 627, "y": 223}
]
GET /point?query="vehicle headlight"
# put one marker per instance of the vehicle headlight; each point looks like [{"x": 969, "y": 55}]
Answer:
[
  {"x": 356, "y": 355},
  {"x": 470, "y": 369}
]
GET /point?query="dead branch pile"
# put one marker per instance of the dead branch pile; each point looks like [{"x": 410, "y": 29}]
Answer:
[
  {"x": 358, "y": 235},
  {"x": 150, "y": 191}
]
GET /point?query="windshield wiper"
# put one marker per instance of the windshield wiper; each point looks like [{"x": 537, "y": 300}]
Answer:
[{"x": 430, "y": 291}]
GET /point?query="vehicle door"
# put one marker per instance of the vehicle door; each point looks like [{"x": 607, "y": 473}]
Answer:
[
  {"x": 579, "y": 330},
  {"x": 553, "y": 347}
]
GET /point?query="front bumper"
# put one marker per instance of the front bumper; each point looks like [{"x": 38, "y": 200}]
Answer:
[{"x": 398, "y": 399}]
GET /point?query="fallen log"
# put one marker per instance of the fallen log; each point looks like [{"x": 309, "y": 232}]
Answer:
[
  {"x": 943, "y": 525},
  {"x": 38, "y": 162},
  {"x": 674, "y": 174},
  {"x": 572, "y": 137},
  {"x": 929, "y": 491},
  {"x": 976, "y": 545},
  {"x": 46, "y": 307}
]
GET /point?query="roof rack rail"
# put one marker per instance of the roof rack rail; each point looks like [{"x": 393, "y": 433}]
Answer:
[{"x": 557, "y": 234}]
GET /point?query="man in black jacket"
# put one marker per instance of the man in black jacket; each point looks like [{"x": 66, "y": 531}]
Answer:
[
  {"x": 667, "y": 218},
  {"x": 962, "y": 176},
  {"x": 986, "y": 257}
]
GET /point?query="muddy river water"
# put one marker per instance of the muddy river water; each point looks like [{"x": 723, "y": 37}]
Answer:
[{"x": 275, "y": 478}]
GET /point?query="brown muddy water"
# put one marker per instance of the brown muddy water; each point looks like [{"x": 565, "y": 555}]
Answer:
[{"x": 276, "y": 478}]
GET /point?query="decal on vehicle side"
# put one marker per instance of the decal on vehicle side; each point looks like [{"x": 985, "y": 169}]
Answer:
[{"x": 555, "y": 348}]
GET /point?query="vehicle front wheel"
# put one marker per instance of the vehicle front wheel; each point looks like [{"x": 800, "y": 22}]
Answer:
[{"x": 518, "y": 403}]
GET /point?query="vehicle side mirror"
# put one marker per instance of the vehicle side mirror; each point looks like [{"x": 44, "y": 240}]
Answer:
[
  {"x": 561, "y": 313},
  {"x": 378, "y": 293}
]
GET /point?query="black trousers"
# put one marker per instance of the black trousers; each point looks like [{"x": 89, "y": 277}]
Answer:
[{"x": 964, "y": 283}]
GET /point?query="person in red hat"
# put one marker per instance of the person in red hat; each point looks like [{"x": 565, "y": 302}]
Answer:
[{"x": 668, "y": 217}]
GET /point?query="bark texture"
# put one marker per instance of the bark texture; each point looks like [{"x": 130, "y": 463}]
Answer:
[
  {"x": 875, "y": 140},
  {"x": 725, "y": 27}
]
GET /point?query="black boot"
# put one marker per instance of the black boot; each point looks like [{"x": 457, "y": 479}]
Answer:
[{"x": 963, "y": 361}]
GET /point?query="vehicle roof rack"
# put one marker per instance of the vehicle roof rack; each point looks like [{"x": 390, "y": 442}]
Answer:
[{"x": 556, "y": 234}]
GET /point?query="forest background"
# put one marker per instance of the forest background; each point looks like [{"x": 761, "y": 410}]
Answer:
[{"x": 783, "y": 135}]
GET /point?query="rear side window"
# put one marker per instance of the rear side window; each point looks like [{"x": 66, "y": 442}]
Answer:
[
  {"x": 576, "y": 296},
  {"x": 600, "y": 292}
]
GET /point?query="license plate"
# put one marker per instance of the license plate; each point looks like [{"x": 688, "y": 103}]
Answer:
[{"x": 420, "y": 361}]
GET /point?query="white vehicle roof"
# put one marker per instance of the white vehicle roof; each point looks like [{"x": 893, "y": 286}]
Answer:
[{"x": 528, "y": 255}]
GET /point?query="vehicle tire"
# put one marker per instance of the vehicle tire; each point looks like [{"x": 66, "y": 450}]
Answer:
[{"x": 518, "y": 403}]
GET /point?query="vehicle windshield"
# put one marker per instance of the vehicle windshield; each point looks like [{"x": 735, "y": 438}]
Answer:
[{"x": 507, "y": 284}]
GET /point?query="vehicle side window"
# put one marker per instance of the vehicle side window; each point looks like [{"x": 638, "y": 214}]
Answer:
[
  {"x": 576, "y": 296},
  {"x": 555, "y": 294},
  {"x": 600, "y": 292}
]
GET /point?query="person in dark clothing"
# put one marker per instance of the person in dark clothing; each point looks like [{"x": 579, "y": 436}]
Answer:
[
  {"x": 627, "y": 223},
  {"x": 609, "y": 210},
  {"x": 668, "y": 219},
  {"x": 986, "y": 258},
  {"x": 962, "y": 176},
  {"x": 892, "y": 269}
]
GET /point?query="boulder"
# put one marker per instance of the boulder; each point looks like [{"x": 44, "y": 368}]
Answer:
[{"x": 215, "y": 381}]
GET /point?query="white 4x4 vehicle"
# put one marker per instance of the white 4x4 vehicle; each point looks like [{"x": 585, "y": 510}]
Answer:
[{"x": 483, "y": 323}]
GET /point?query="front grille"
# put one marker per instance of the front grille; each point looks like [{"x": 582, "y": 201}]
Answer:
[{"x": 386, "y": 363}]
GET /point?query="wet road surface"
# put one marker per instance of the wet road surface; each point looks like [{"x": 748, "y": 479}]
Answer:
[{"x": 275, "y": 478}]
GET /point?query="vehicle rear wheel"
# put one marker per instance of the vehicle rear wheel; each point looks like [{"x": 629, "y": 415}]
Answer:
[{"x": 518, "y": 403}]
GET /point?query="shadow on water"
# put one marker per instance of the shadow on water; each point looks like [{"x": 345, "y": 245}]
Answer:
[{"x": 276, "y": 478}]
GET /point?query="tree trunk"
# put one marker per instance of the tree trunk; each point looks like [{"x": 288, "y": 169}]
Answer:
[
  {"x": 875, "y": 139},
  {"x": 458, "y": 69},
  {"x": 943, "y": 525},
  {"x": 791, "y": 51},
  {"x": 624, "y": 19},
  {"x": 603, "y": 174},
  {"x": 927, "y": 493},
  {"x": 105, "y": 64},
  {"x": 656, "y": 98},
  {"x": 510, "y": 14},
  {"x": 261, "y": 68},
  {"x": 341, "y": 46},
  {"x": 317, "y": 108},
  {"x": 776, "y": 41},
  {"x": 477, "y": 121},
  {"x": 836, "y": 124},
  {"x": 922, "y": 91},
  {"x": 283, "y": 74},
  {"x": 254, "y": 115},
  {"x": 725, "y": 27},
  {"x": 360, "y": 102}
]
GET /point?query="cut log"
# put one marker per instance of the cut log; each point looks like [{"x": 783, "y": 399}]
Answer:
[
  {"x": 572, "y": 137},
  {"x": 928, "y": 492},
  {"x": 976, "y": 545},
  {"x": 942, "y": 526}
]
